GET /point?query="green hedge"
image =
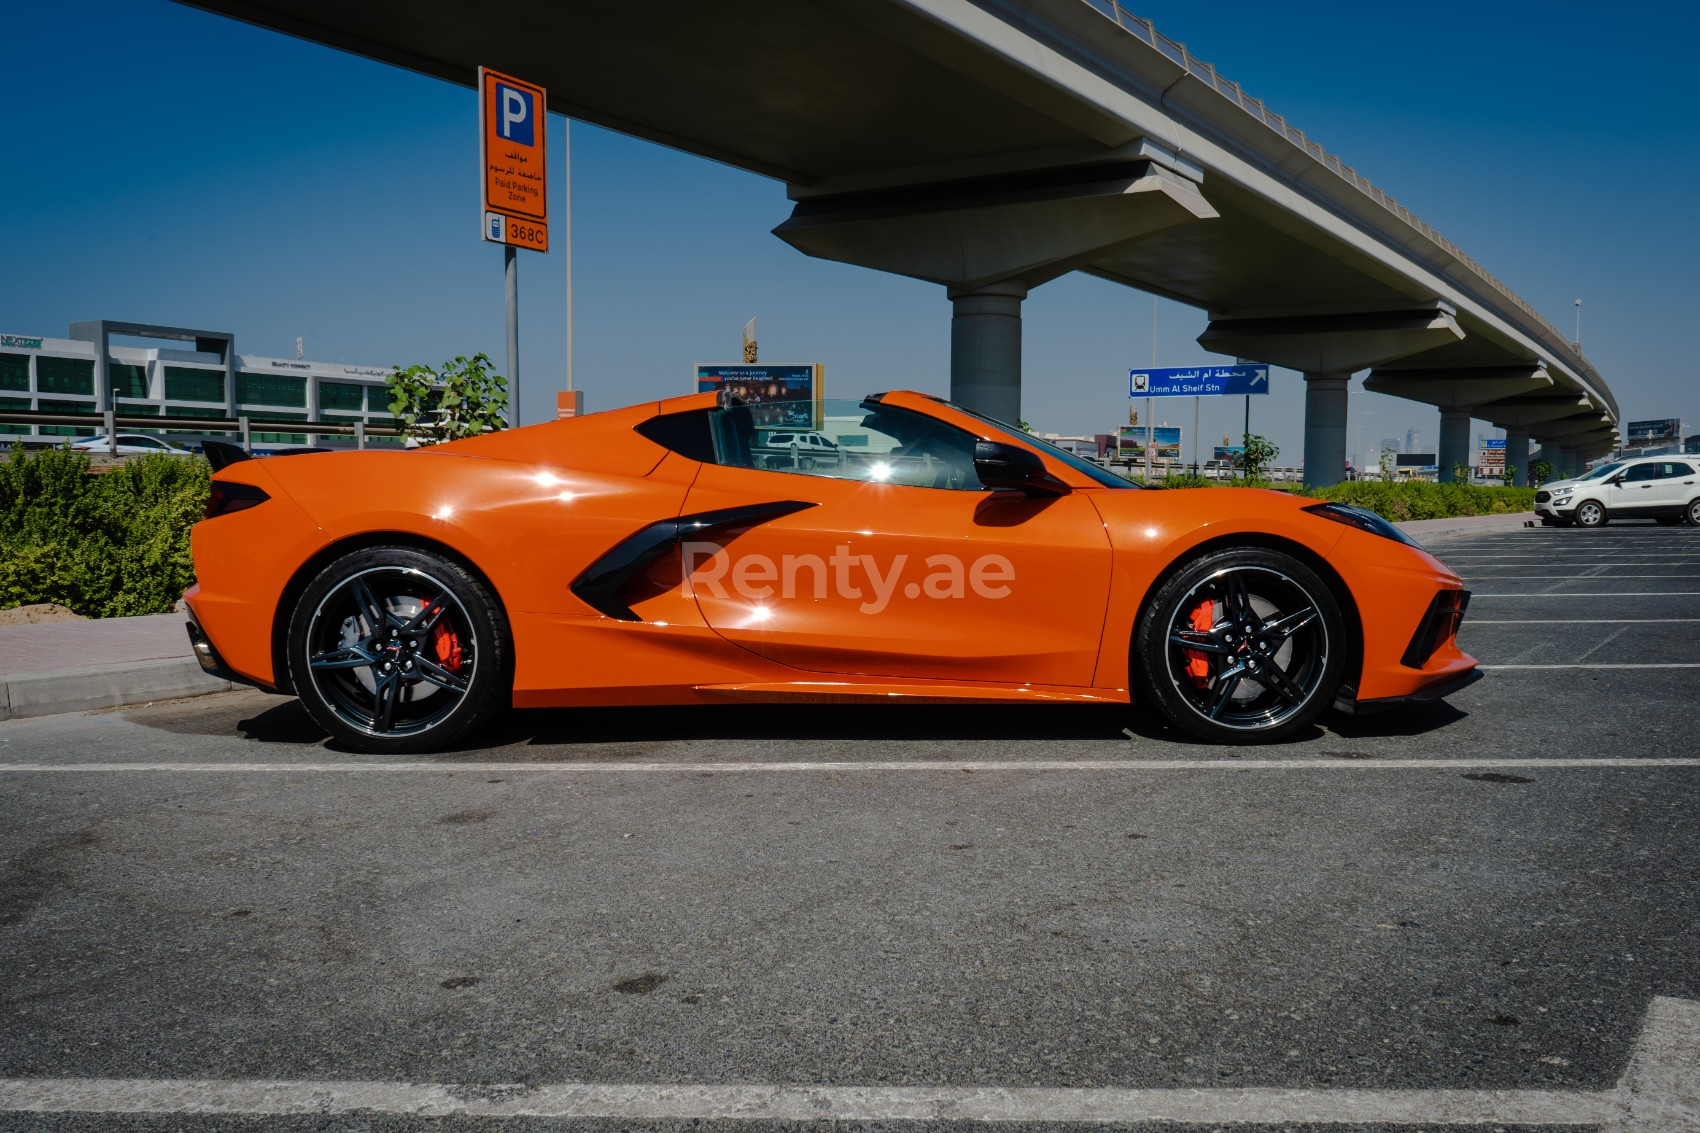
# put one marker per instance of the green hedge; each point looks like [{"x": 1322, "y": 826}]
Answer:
[
  {"x": 1398, "y": 501},
  {"x": 1418, "y": 500},
  {"x": 106, "y": 546}
]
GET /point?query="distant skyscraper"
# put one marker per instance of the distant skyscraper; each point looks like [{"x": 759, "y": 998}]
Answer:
[
  {"x": 1389, "y": 444},
  {"x": 1413, "y": 440}
]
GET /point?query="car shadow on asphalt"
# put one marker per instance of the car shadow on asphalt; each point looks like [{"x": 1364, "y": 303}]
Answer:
[{"x": 522, "y": 734}]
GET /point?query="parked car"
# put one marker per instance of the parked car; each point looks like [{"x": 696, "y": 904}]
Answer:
[
  {"x": 1664, "y": 488},
  {"x": 649, "y": 555},
  {"x": 130, "y": 444},
  {"x": 806, "y": 449}
]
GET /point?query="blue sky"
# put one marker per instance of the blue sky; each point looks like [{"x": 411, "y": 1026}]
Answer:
[{"x": 172, "y": 166}]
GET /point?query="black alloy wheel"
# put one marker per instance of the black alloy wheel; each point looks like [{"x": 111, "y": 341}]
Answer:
[
  {"x": 395, "y": 650},
  {"x": 1242, "y": 646}
]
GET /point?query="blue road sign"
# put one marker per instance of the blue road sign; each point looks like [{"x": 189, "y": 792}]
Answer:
[
  {"x": 515, "y": 117},
  {"x": 1197, "y": 381}
]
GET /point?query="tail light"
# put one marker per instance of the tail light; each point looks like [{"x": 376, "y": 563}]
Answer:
[{"x": 227, "y": 496}]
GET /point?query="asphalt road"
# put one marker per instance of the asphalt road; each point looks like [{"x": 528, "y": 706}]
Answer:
[{"x": 1012, "y": 914}]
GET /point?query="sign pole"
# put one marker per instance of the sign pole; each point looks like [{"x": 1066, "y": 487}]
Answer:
[
  {"x": 513, "y": 126},
  {"x": 1195, "y": 437},
  {"x": 567, "y": 131},
  {"x": 1151, "y": 437},
  {"x": 510, "y": 291}
]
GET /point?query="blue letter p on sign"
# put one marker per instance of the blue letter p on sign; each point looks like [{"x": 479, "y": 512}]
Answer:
[{"x": 514, "y": 113}]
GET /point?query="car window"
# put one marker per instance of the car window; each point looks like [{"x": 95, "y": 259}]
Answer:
[
  {"x": 1602, "y": 470},
  {"x": 1641, "y": 472},
  {"x": 850, "y": 440},
  {"x": 1674, "y": 468},
  {"x": 1101, "y": 476}
]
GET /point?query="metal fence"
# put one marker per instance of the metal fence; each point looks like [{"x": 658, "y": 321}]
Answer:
[{"x": 110, "y": 424}]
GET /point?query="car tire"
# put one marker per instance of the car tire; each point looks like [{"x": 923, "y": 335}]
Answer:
[
  {"x": 1692, "y": 514},
  {"x": 396, "y": 650},
  {"x": 1238, "y": 687},
  {"x": 1591, "y": 513}
]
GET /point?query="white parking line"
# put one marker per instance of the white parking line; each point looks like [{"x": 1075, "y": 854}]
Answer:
[
  {"x": 1657, "y": 1094},
  {"x": 934, "y": 765},
  {"x": 1594, "y": 665},
  {"x": 1596, "y": 594}
]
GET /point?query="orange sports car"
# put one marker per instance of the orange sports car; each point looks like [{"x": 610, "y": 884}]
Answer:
[{"x": 701, "y": 549}]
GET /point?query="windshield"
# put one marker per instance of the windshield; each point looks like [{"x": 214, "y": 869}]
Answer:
[
  {"x": 1101, "y": 476},
  {"x": 1603, "y": 470}
]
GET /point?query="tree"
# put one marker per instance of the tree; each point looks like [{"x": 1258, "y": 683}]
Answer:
[
  {"x": 462, "y": 398},
  {"x": 1256, "y": 456},
  {"x": 1388, "y": 463},
  {"x": 1540, "y": 472},
  {"x": 1460, "y": 472},
  {"x": 1509, "y": 476}
]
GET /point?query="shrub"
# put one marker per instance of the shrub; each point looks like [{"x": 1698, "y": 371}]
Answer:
[
  {"x": 1185, "y": 480},
  {"x": 1419, "y": 500},
  {"x": 106, "y": 546}
]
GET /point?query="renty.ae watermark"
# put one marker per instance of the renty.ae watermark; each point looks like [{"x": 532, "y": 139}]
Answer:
[{"x": 843, "y": 575}]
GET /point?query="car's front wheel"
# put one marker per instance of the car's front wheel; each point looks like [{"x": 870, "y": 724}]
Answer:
[
  {"x": 1693, "y": 513},
  {"x": 1242, "y": 646},
  {"x": 395, "y": 650},
  {"x": 1590, "y": 513}
]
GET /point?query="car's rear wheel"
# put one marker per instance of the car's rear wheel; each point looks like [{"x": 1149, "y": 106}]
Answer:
[
  {"x": 1242, "y": 646},
  {"x": 1590, "y": 513},
  {"x": 396, "y": 650},
  {"x": 1693, "y": 513}
]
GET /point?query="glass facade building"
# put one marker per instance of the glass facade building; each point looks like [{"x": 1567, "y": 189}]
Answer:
[{"x": 60, "y": 375}]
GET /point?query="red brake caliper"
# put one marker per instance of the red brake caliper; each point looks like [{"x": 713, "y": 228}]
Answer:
[
  {"x": 1197, "y": 662},
  {"x": 445, "y": 643}
]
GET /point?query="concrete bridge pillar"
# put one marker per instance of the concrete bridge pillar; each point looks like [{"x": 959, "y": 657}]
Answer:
[
  {"x": 985, "y": 349},
  {"x": 1517, "y": 456},
  {"x": 1454, "y": 443},
  {"x": 1325, "y": 428}
]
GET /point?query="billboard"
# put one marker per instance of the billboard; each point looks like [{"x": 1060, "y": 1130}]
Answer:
[
  {"x": 1646, "y": 434},
  {"x": 512, "y": 121},
  {"x": 1490, "y": 459},
  {"x": 1417, "y": 461},
  {"x": 1131, "y": 441},
  {"x": 1227, "y": 454},
  {"x": 772, "y": 391},
  {"x": 1197, "y": 381}
]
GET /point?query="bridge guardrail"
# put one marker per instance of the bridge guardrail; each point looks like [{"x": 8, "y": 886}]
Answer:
[{"x": 1143, "y": 29}]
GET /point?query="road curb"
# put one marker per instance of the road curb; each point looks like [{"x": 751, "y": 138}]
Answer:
[
  {"x": 55, "y": 691},
  {"x": 1468, "y": 525}
]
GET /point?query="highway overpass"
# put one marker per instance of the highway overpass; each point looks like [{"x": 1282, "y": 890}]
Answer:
[{"x": 992, "y": 145}]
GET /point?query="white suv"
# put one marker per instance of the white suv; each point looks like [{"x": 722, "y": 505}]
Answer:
[
  {"x": 804, "y": 449},
  {"x": 1665, "y": 488}
]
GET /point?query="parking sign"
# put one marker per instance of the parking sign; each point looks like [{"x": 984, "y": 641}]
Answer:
[{"x": 512, "y": 136}]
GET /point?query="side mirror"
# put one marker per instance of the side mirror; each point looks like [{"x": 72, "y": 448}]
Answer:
[
  {"x": 1617, "y": 479},
  {"x": 1010, "y": 466}
]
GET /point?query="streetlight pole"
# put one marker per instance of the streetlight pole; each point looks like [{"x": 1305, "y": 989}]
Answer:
[{"x": 1578, "y": 342}]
